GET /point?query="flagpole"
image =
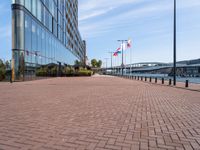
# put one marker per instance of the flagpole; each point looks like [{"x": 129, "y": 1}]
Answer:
[
  {"x": 122, "y": 65},
  {"x": 131, "y": 59},
  {"x": 125, "y": 53},
  {"x": 111, "y": 64}
]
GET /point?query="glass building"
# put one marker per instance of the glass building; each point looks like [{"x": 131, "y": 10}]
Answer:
[{"x": 44, "y": 32}]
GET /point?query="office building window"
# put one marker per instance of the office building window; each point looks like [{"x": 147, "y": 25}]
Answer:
[
  {"x": 28, "y": 4},
  {"x": 34, "y": 7},
  {"x": 39, "y": 10},
  {"x": 28, "y": 34}
]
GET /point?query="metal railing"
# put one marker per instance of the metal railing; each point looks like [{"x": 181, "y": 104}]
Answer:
[{"x": 154, "y": 80}]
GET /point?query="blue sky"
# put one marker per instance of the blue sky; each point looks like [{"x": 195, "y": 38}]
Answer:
[
  {"x": 149, "y": 23},
  {"x": 5, "y": 29}
]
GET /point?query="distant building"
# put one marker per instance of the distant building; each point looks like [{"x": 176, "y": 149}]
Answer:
[{"x": 44, "y": 32}]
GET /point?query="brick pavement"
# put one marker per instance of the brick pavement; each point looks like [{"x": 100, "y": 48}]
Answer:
[{"x": 97, "y": 114}]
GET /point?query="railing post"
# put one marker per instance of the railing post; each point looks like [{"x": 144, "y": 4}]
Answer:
[
  {"x": 163, "y": 81},
  {"x": 156, "y": 80},
  {"x": 170, "y": 81},
  {"x": 150, "y": 79},
  {"x": 187, "y": 83},
  {"x": 145, "y": 78}
]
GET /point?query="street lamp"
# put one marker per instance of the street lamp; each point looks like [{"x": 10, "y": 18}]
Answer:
[
  {"x": 122, "y": 41},
  {"x": 106, "y": 63},
  {"x": 174, "y": 73},
  {"x": 111, "y": 58}
]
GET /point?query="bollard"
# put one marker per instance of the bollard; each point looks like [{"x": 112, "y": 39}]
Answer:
[
  {"x": 156, "y": 80},
  {"x": 150, "y": 79},
  {"x": 145, "y": 78},
  {"x": 170, "y": 81},
  {"x": 187, "y": 83},
  {"x": 163, "y": 81},
  {"x": 141, "y": 78},
  {"x": 138, "y": 78}
]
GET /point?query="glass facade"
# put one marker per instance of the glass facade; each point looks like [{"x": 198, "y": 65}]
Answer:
[{"x": 44, "y": 32}]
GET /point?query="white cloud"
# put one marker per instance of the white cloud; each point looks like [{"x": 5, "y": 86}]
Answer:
[
  {"x": 86, "y": 5},
  {"x": 150, "y": 10},
  {"x": 93, "y": 8},
  {"x": 123, "y": 19},
  {"x": 94, "y": 14}
]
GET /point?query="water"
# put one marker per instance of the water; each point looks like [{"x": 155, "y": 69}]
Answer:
[{"x": 195, "y": 80}]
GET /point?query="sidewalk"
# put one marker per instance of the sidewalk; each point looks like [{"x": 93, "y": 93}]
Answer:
[{"x": 97, "y": 113}]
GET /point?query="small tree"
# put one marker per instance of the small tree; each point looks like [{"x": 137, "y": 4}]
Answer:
[
  {"x": 77, "y": 63},
  {"x": 2, "y": 70},
  {"x": 7, "y": 64},
  {"x": 94, "y": 63},
  {"x": 99, "y": 64}
]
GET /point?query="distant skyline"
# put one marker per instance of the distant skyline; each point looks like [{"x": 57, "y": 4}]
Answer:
[{"x": 148, "y": 23}]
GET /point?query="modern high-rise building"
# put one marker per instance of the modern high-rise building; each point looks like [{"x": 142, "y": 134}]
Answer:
[{"x": 44, "y": 32}]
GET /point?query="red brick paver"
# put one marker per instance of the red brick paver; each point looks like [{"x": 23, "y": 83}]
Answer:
[{"x": 97, "y": 114}]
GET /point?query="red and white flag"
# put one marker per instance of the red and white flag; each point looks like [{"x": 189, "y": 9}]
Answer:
[
  {"x": 119, "y": 49},
  {"x": 129, "y": 43}
]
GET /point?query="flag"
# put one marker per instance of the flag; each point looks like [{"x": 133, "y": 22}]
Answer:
[
  {"x": 119, "y": 49},
  {"x": 116, "y": 53},
  {"x": 129, "y": 43}
]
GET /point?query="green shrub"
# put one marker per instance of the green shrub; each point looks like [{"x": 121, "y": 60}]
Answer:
[
  {"x": 53, "y": 71},
  {"x": 42, "y": 72},
  {"x": 66, "y": 71},
  {"x": 69, "y": 71},
  {"x": 2, "y": 70},
  {"x": 85, "y": 73}
]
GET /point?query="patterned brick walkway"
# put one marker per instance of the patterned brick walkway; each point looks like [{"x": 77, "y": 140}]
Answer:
[{"x": 97, "y": 114}]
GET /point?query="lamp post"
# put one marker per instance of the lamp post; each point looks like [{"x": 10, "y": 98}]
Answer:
[
  {"x": 106, "y": 63},
  {"x": 174, "y": 73},
  {"x": 122, "y": 65},
  {"x": 111, "y": 59}
]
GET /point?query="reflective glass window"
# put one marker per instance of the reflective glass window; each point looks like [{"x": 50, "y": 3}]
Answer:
[
  {"x": 39, "y": 10},
  {"x": 28, "y": 4},
  {"x": 28, "y": 34},
  {"x": 34, "y": 7},
  {"x": 34, "y": 41}
]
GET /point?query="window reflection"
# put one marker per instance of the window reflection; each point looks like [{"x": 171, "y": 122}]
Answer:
[{"x": 44, "y": 34}]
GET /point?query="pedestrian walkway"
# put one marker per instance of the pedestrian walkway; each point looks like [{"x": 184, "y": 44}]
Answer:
[{"x": 98, "y": 113}]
